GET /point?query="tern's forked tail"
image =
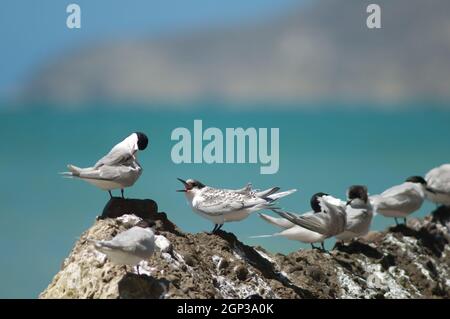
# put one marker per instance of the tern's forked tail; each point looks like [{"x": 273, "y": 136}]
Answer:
[
  {"x": 279, "y": 222},
  {"x": 265, "y": 236},
  {"x": 267, "y": 192},
  {"x": 100, "y": 245},
  {"x": 74, "y": 171}
]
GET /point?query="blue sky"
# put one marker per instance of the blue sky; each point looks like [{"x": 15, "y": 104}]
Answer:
[{"x": 34, "y": 31}]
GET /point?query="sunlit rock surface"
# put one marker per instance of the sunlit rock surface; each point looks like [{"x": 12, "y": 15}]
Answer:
[{"x": 401, "y": 262}]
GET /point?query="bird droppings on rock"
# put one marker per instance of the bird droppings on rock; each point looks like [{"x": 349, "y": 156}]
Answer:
[
  {"x": 396, "y": 263},
  {"x": 163, "y": 244},
  {"x": 128, "y": 220}
]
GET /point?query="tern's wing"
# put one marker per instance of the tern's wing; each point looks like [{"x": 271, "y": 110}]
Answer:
[
  {"x": 128, "y": 247},
  {"x": 267, "y": 192},
  {"x": 397, "y": 190},
  {"x": 279, "y": 222},
  {"x": 401, "y": 202},
  {"x": 107, "y": 173},
  {"x": 120, "y": 154},
  {"x": 338, "y": 216},
  {"x": 245, "y": 190},
  {"x": 134, "y": 240},
  {"x": 329, "y": 203},
  {"x": 231, "y": 203},
  {"x": 318, "y": 222},
  {"x": 402, "y": 197}
]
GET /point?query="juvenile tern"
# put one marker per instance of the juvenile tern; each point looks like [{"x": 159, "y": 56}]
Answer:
[
  {"x": 224, "y": 205},
  {"x": 401, "y": 200},
  {"x": 130, "y": 246},
  {"x": 118, "y": 169}
]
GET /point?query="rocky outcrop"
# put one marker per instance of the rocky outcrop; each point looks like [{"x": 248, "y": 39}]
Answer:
[{"x": 410, "y": 261}]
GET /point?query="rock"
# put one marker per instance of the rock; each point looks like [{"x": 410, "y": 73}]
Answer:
[
  {"x": 442, "y": 215},
  {"x": 117, "y": 207},
  {"x": 132, "y": 286},
  {"x": 372, "y": 237},
  {"x": 401, "y": 262},
  {"x": 254, "y": 296},
  {"x": 241, "y": 272},
  {"x": 142, "y": 208},
  {"x": 316, "y": 273},
  {"x": 189, "y": 260},
  {"x": 223, "y": 264}
]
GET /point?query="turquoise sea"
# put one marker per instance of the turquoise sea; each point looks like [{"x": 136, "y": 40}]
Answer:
[{"x": 42, "y": 214}]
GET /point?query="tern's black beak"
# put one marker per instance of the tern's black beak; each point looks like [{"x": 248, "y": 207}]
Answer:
[
  {"x": 348, "y": 202},
  {"x": 185, "y": 185}
]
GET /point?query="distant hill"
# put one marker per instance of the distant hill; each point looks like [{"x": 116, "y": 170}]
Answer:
[{"x": 319, "y": 51}]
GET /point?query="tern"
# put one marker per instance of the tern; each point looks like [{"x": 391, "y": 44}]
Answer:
[
  {"x": 359, "y": 214},
  {"x": 330, "y": 221},
  {"x": 438, "y": 185},
  {"x": 118, "y": 169},
  {"x": 129, "y": 247},
  {"x": 401, "y": 200},
  {"x": 225, "y": 205},
  {"x": 295, "y": 232}
]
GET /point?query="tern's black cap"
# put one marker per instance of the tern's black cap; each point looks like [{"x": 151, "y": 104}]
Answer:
[
  {"x": 417, "y": 179},
  {"x": 142, "y": 141},
  {"x": 358, "y": 191},
  {"x": 315, "y": 205}
]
